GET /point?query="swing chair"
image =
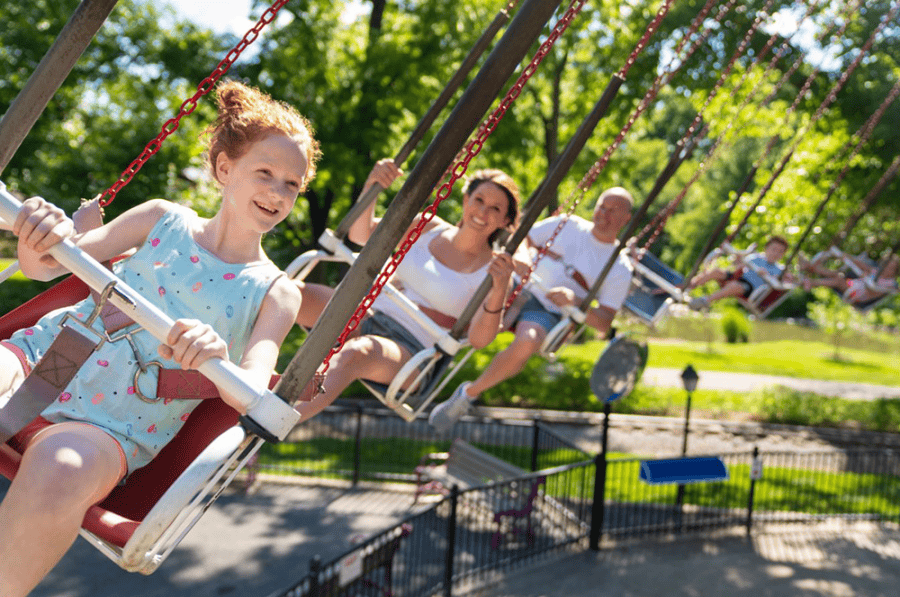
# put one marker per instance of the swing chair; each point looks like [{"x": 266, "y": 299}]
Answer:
[
  {"x": 140, "y": 522},
  {"x": 851, "y": 270},
  {"x": 655, "y": 287},
  {"x": 767, "y": 291},
  {"x": 420, "y": 379}
]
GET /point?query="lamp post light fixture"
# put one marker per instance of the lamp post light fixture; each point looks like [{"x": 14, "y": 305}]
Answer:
[{"x": 689, "y": 378}]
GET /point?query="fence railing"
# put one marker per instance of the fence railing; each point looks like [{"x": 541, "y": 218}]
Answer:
[
  {"x": 462, "y": 540},
  {"x": 365, "y": 443},
  {"x": 465, "y": 540}
]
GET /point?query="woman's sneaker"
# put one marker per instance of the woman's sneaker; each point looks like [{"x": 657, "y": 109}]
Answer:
[{"x": 444, "y": 415}]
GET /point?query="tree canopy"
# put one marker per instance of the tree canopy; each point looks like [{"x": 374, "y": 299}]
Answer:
[{"x": 364, "y": 82}]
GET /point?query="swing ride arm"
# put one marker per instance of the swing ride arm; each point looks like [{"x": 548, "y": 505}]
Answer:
[
  {"x": 267, "y": 415},
  {"x": 50, "y": 73}
]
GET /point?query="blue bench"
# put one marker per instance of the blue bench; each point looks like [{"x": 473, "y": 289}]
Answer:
[{"x": 683, "y": 470}]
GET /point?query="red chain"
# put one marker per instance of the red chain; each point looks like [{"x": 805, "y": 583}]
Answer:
[
  {"x": 456, "y": 172},
  {"x": 190, "y": 104},
  {"x": 829, "y": 99},
  {"x": 657, "y": 223}
]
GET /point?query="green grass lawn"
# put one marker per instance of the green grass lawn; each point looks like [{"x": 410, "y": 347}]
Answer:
[
  {"x": 791, "y": 358},
  {"x": 386, "y": 457}
]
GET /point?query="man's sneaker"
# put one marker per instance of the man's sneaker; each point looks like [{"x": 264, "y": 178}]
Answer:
[
  {"x": 444, "y": 415},
  {"x": 699, "y": 303}
]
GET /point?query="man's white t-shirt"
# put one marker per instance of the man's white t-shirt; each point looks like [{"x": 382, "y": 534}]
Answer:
[{"x": 574, "y": 251}]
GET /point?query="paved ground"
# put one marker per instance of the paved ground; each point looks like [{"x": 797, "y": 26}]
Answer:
[
  {"x": 245, "y": 545},
  {"x": 721, "y": 380},
  {"x": 826, "y": 560}
]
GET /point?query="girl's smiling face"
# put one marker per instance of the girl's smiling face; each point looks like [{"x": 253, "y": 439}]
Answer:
[{"x": 263, "y": 184}]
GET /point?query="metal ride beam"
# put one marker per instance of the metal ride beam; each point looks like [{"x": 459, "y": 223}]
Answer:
[
  {"x": 544, "y": 194},
  {"x": 427, "y": 120},
  {"x": 49, "y": 74},
  {"x": 499, "y": 66}
]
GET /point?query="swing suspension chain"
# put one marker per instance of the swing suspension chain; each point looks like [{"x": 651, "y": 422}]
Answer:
[
  {"x": 658, "y": 222},
  {"x": 867, "y": 202},
  {"x": 190, "y": 104},
  {"x": 864, "y": 132},
  {"x": 588, "y": 180},
  {"x": 826, "y": 103},
  {"x": 783, "y": 50},
  {"x": 456, "y": 172},
  {"x": 862, "y": 136},
  {"x": 807, "y": 84},
  {"x": 642, "y": 43}
]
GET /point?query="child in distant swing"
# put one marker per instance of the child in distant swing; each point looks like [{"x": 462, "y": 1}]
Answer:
[
  {"x": 739, "y": 283},
  {"x": 210, "y": 275},
  {"x": 856, "y": 290}
]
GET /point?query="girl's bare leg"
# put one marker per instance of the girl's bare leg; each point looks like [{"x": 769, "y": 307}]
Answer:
[{"x": 65, "y": 470}]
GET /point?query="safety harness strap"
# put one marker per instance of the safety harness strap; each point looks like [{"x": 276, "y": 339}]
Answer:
[{"x": 51, "y": 375}]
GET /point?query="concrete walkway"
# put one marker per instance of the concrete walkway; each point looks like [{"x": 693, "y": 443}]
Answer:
[
  {"x": 830, "y": 559},
  {"x": 748, "y": 382}
]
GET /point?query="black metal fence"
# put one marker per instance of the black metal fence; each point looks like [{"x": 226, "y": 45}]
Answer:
[
  {"x": 470, "y": 536},
  {"x": 371, "y": 443},
  {"x": 463, "y": 540}
]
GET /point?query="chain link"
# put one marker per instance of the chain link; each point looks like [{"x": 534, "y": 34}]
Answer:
[{"x": 190, "y": 104}]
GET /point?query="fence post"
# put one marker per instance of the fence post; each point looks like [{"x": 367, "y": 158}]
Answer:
[
  {"x": 451, "y": 542},
  {"x": 598, "y": 508},
  {"x": 357, "y": 448},
  {"x": 315, "y": 567},
  {"x": 535, "y": 440},
  {"x": 753, "y": 465}
]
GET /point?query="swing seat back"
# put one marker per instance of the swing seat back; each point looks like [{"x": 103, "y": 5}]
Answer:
[
  {"x": 655, "y": 287},
  {"x": 764, "y": 299}
]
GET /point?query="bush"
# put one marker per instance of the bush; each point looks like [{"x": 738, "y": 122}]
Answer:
[{"x": 735, "y": 325}]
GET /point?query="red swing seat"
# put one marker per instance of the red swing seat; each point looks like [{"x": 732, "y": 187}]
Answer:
[{"x": 140, "y": 522}]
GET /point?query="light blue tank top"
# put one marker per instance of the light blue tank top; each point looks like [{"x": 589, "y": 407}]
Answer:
[{"x": 185, "y": 281}]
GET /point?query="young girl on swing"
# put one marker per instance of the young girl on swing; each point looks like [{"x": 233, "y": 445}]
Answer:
[{"x": 210, "y": 275}]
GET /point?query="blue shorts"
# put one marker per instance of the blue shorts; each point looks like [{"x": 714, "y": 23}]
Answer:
[
  {"x": 535, "y": 312},
  {"x": 385, "y": 326}
]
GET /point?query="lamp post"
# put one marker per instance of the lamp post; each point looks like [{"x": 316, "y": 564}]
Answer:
[{"x": 689, "y": 378}]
